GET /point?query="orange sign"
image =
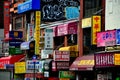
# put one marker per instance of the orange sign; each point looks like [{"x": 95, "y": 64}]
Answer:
[
  {"x": 96, "y": 27},
  {"x": 117, "y": 59}
]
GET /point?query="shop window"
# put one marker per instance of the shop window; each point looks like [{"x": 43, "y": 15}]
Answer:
[
  {"x": 18, "y": 23},
  {"x": 58, "y": 42}
]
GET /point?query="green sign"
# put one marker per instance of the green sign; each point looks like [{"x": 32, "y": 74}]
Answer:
[
  {"x": 67, "y": 74},
  {"x": 14, "y": 50}
]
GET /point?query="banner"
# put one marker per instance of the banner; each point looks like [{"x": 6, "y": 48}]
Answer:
[
  {"x": 96, "y": 27},
  {"x": 37, "y": 32}
]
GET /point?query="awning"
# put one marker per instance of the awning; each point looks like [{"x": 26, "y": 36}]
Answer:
[
  {"x": 69, "y": 48},
  {"x": 83, "y": 63},
  {"x": 10, "y": 60}
]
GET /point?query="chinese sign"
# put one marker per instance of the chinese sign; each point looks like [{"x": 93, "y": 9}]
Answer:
[
  {"x": 71, "y": 12},
  {"x": 20, "y": 67},
  {"x": 37, "y": 32},
  {"x": 117, "y": 59},
  {"x": 104, "y": 60},
  {"x": 30, "y": 32},
  {"x": 48, "y": 38},
  {"x": 6, "y": 17},
  {"x": 96, "y": 27},
  {"x": 62, "y": 55},
  {"x": 107, "y": 38},
  {"x": 118, "y": 36}
]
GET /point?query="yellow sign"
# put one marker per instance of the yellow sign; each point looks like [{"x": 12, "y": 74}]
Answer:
[
  {"x": 117, "y": 59},
  {"x": 96, "y": 27},
  {"x": 86, "y": 62},
  {"x": 86, "y": 22},
  {"x": 20, "y": 67},
  {"x": 37, "y": 32}
]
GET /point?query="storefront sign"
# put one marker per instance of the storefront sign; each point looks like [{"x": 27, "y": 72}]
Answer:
[
  {"x": 117, "y": 59},
  {"x": 61, "y": 55},
  {"x": 15, "y": 42},
  {"x": 6, "y": 17},
  {"x": 107, "y": 38},
  {"x": 118, "y": 36},
  {"x": 30, "y": 32},
  {"x": 104, "y": 60},
  {"x": 67, "y": 74},
  {"x": 15, "y": 50},
  {"x": 20, "y": 67},
  {"x": 37, "y": 32},
  {"x": 96, "y": 27},
  {"x": 15, "y": 34},
  {"x": 72, "y": 12},
  {"x": 86, "y": 22},
  {"x": 29, "y": 5},
  {"x": 48, "y": 39},
  {"x": 68, "y": 28},
  {"x": 45, "y": 53},
  {"x": 30, "y": 64},
  {"x": 62, "y": 65}
]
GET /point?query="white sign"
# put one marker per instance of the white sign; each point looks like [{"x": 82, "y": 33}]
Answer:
[
  {"x": 45, "y": 53},
  {"x": 30, "y": 32},
  {"x": 30, "y": 64},
  {"x": 48, "y": 38}
]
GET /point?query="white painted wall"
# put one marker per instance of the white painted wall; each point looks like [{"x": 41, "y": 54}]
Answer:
[{"x": 112, "y": 14}]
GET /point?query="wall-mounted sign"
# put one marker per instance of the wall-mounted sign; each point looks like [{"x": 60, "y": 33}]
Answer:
[
  {"x": 104, "y": 60},
  {"x": 117, "y": 59},
  {"x": 15, "y": 34},
  {"x": 29, "y": 5},
  {"x": 30, "y": 32},
  {"x": 48, "y": 38},
  {"x": 67, "y": 74},
  {"x": 15, "y": 42},
  {"x": 68, "y": 28},
  {"x": 63, "y": 65},
  {"x": 6, "y": 17},
  {"x": 107, "y": 38},
  {"x": 72, "y": 12},
  {"x": 30, "y": 64},
  {"x": 118, "y": 36},
  {"x": 96, "y": 27},
  {"x": 86, "y": 22},
  {"x": 61, "y": 55},
  {"x": 20, "y": 67}
]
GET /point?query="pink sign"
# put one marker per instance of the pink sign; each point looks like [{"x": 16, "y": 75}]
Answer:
[
  {"x": 68, "y": 28},
  {"x": 110, "y": 38},
  {"x": 100, "y": 39},
  {"x": 72, "y": 28},
  {"x": 61, "y": 55},
  {"x": 107, "y": 38}
]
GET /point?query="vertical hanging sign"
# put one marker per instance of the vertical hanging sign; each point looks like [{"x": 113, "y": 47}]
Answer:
[
  {"x": 6, "y": 17},
  {"x": 37, "y": 32},
  {"x": 96, "y": 27}
]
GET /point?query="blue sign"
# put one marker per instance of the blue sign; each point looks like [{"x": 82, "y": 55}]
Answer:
[
  {"x": 72, "y": 12},
  {"x": 118, "y": 36},
  {"x": 15, "y": 42},
  {"x": 15, "y": 34},
  {"x": 29, "y": 5}
]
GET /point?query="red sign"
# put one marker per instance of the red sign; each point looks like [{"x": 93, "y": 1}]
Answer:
[
  {"x": 104, "y": 60},
  {"x": 6, "y": 17},
  {"x": 62, "y": 65},
  {"x": 68, "y": 28},
  {"x": 61, "y": 55}
]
